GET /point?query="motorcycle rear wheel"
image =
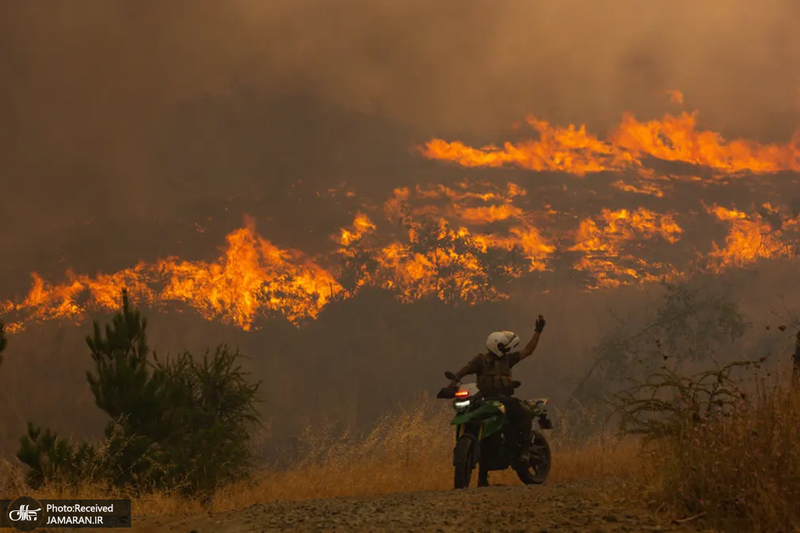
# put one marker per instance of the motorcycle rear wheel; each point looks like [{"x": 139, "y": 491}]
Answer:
[{"x": 462, "y": 461}]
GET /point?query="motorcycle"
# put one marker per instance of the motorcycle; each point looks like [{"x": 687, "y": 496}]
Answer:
[{"x": 481, "y": 440}]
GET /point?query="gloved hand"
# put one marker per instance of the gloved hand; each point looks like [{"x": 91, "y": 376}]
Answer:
[{"x": 540, "y": 322}]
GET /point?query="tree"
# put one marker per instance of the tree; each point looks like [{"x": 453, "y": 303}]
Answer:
[
  {"x": 124, "y": 388},
  {"x": 690, "y": 324},
  {"x": 212, "y": 404},
  {"x": 179, "y": 423}
]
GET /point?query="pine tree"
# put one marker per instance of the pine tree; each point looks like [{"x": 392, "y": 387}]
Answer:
[{"x": 179, "y": 423}]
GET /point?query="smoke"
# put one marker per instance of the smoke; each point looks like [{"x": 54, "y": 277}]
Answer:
[
  {"x": 476, "y": 67},
  {"x": 88, "y": 79},
  {"x": 98, "y": 95},
  {"x": 126, "y": 123},
  {"x": 91, "y": 86},
  {"x": 364, "y": 355}
]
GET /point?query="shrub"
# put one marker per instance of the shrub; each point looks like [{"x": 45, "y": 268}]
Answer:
[
  {"x": 724, "y": 450},
  {"x": 181, "y": 423},
  {"x": 667, "y": 404},
  {"x": 209, "y": 412},
  {"x": 690, "y": 325},
  {"x": 53, "y": 459},
  {"x": 742, "y": 470}
]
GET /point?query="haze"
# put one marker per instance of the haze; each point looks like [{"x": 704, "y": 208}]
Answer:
[{"x": 126, "y": 124}]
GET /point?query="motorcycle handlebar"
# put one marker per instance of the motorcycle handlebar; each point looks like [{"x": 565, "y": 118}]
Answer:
[
  {"x": 450, "y": 391},
  {"x": 447, "y": 393}
]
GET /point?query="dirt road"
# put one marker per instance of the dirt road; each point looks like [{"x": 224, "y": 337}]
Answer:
[{"x": 569, "y": 506}]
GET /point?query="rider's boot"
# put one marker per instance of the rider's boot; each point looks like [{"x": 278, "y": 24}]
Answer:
[
  {"x": 513, "y": 440},
  {"x": 526, "y": 437},
  {"x": 483, "y": 477}
]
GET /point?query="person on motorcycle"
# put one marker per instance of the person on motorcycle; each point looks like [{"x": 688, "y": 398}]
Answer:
[{"x": 493, "y": 373}]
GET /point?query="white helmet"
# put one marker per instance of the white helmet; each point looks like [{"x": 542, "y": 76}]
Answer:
[{"x": 501, "y": 343}]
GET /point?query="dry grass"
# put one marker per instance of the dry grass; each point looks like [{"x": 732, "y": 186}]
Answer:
[
  {"x": 741, "y": 470},
  {"x": 407, "y": 450}
]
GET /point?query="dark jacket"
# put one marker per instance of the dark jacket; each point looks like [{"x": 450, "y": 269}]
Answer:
[{"x": 493, "y": 374}]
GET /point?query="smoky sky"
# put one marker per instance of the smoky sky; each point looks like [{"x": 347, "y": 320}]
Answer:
[
  {"x": 99, "y": 100},
  {"x": 443, "y": 66},
  {"x": 124, "y": 123}
]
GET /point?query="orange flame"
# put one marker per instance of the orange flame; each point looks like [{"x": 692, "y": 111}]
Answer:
[
  {"x": 623, "y": 225},
  {"x": 444, "y": 203},
  {"x": 639, "y": 188},
  {"x": 252, "y": 277},
  {"x": 460, "y": 242},
  {"x": 361, "y": 226},
  {"x": 558, "y": 149},
  {"x": 431, "y": 258},
  {"x": 453, "y": 203},
  {"x": 673, "y": 138},
  {"x": 604, "y": 244},
  {"x": 749, "y": 239}
]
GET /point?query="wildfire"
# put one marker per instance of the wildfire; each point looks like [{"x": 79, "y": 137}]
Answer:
[
  {"x": 361, "y": 225},
  {"x": 605, "y": 240},
  {"x": 672, "y": 138},
  {"x": 752, "y": 237},
  {"x": 621, "y": 226},
  {"x": 474, "y": 207},
  {"x": 462, "y": 242},
  {"x": 558, "y": 149},
  {"x": 432, "y": 258},
  {"x": 639, "y": 188},
  {"x": 252, "y": 277}
]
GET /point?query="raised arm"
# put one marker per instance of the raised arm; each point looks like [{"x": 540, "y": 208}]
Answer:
[{"x": 531, "y": 346}]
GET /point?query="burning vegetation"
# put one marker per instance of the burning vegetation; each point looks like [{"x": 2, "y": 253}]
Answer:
[
  {"x": 462, "y": 242},
  {"x": 672, "y": 138}
]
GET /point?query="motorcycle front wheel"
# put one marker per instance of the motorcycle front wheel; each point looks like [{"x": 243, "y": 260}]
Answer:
[
  {"x": 462, "y": 461},
  {"x": 539, "y": 465}
]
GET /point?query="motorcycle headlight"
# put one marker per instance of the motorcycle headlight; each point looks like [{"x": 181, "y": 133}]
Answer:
[{"x": 462, "y": 404}]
